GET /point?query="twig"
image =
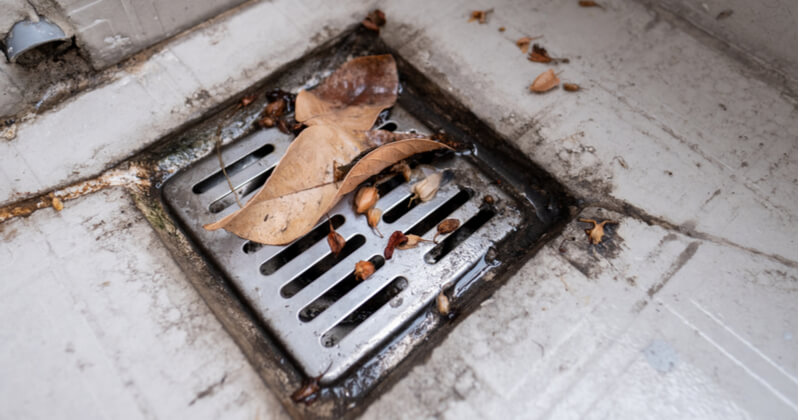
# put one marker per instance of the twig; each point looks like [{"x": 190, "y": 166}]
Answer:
[{"x": 222, "y": 166}]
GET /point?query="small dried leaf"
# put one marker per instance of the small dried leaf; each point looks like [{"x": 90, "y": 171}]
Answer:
[
  {"x": 446, "y": 226},
  {"x": 412, "y": 241},
  {"x": 443, "y": 304},
  {"x": 597, "y": 232},
  {"x": 523, "y": 43},
  {"x": 365, "y": 199},
  {"x": 571, "y": 87},
  {"x": 363, "y": 270},
  {"x": 544, "y": 82},
  {"x": 479, "y": 15},
  {"x": 539, "y": 54},
  {"x": 395, "y": 240}
]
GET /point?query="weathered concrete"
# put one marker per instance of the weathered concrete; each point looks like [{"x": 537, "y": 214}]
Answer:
[{"x": 102, "y": 323}]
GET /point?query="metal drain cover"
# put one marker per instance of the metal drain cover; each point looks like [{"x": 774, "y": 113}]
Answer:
[{"x": 306, "y": 296}]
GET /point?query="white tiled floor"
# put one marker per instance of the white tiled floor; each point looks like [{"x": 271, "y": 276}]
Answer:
[{"x": 693, "y": 318}]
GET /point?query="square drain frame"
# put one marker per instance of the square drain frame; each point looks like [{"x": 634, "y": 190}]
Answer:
[{"x": 271, "y": 304}]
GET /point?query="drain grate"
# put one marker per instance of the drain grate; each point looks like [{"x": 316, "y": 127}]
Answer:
[{"x": 309, "y": 298}]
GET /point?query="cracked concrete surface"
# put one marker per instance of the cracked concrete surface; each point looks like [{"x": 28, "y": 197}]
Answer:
[{"x": 690, "y": 311}]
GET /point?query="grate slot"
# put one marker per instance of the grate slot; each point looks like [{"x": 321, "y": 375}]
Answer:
[
  {"x": 430, "y": 221},
  {"x": 460, "y": 235},
  {"x": 218, "y": 177},
  {"x": 390, "y": 184},
  {"x": 335, "y": 293},
  {"x": 242, "y": 190},
  {"x": 326, "y": 263},
  {"x": 364, "y": 311},
  {"x": 295, "y": 248}
]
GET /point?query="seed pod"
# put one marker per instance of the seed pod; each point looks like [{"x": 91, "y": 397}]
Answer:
[
  {"x": 373, "y": 218},
  {"x": 443, "y": 304},
  {"x": 445, "y": 227},
  {"x": 57, "y": 204},
  {"x": 366, "y": 199},
  {"x": 276, "y": 108},
  {"x": 488, "y": 199},
  {"x": 426, "y": 189},
  {"x": 336, "y": 242},
  {"x": 363, "y": 270},
  {"x": 395, "y": 240},
  {"x": 571, "y": 87},
  {"x": 545, "y": 82},
  {"x": 402, "y": 168},
  {"x": 412, "y": 241}
]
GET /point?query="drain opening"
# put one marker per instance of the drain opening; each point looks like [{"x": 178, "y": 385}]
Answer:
[
  {"x": 218, "y": 177},
  {"x": 315, "y": 271},
  {"x": 243, "y": 190},
  {"x": 390, "y": 184},
  {"x": 360, "y": 314},
  {"x": 388, "y": 126},
  {"x": 460, "y": 235},
  {"x": 296, "y": 248},
  {"x": 335, "y": 293}
]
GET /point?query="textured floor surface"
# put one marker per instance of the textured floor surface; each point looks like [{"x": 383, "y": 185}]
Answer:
[{"x": 693, "y": 317}]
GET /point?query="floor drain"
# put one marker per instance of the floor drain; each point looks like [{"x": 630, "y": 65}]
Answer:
[{"x": 307, "y": 296}]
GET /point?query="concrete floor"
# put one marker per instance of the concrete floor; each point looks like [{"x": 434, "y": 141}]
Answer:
[{"x": 695, "y": 317}]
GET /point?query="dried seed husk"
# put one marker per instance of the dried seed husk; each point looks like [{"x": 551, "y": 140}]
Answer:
[
  {"x": 395, "y": 240},
  {"x": 335, "y": 241},
  {"x": 446, "y": 226},
  {"x": 412, "y": 241},
  {"x": 571, "y": 87},
  {"x": 57, "y": 204},
  {"x": 443, "y": 304},
  {"x": 524, "y": 43},
  {"x": 365, "y": 199},
  {"x": 544, "y": 82},
  {"x": 373, "y": 218},
  {"x": 363, "y": 270},
  {"x": 597, "y": 232},
  {"x": 402, "y": 168},
  {"x": 426, "y": 189}
]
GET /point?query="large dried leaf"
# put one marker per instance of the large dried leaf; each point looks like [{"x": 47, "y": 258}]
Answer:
[
  {"x": 279, "y": 220},
  {"x": 353, "y": 96}
]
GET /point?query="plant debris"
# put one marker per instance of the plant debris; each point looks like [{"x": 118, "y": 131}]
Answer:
[
  {"x": 335, "y": 241},
  {"x": 539, "y": 55},
  {"x": 479, "y": 15},
  {"x": 443, "y": 304},
  {"x": 544, "y": 82},
  {"x": 363, "y": 270},
  {"x": 725, "y": 14},
  {"x": 412, "y": 241},
  {"x": 571, "y": 87},
  {"x": 395, "y": 240},
  {"x": 310, "y": 390},
  {"x": 374, "y": 20},
  {"x": 57, "y": 204},
  {"x": 247, "y": 100},
  {"x": 426, "y": 189},
  {"x": 402, "y": 168},
  {"x": 525, "y": 42},
  {"x": 366, "y": 197},
  {"x": 501, "y": 29},
  {"x": 339, "y": 114},
  {"x": 445, "y": 227},
  {"x": 590, "y": 3},
  {"x": 373, "y": 218},
  {"x": 597, "y": 232}
]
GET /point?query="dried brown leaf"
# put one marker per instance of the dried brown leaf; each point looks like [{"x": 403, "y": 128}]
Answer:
[
  {"x": 479, "y": 15},
  {"x": 396, "y": 239},
  {"x": 374, "y": 20},
  {"x": 353, "y": 96},
  {"x": 589, "y": 3},
  {"x": 363, "y": 270},
  {"x": 544, "y": 82},
  {"x": 294, "y": 204}
]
